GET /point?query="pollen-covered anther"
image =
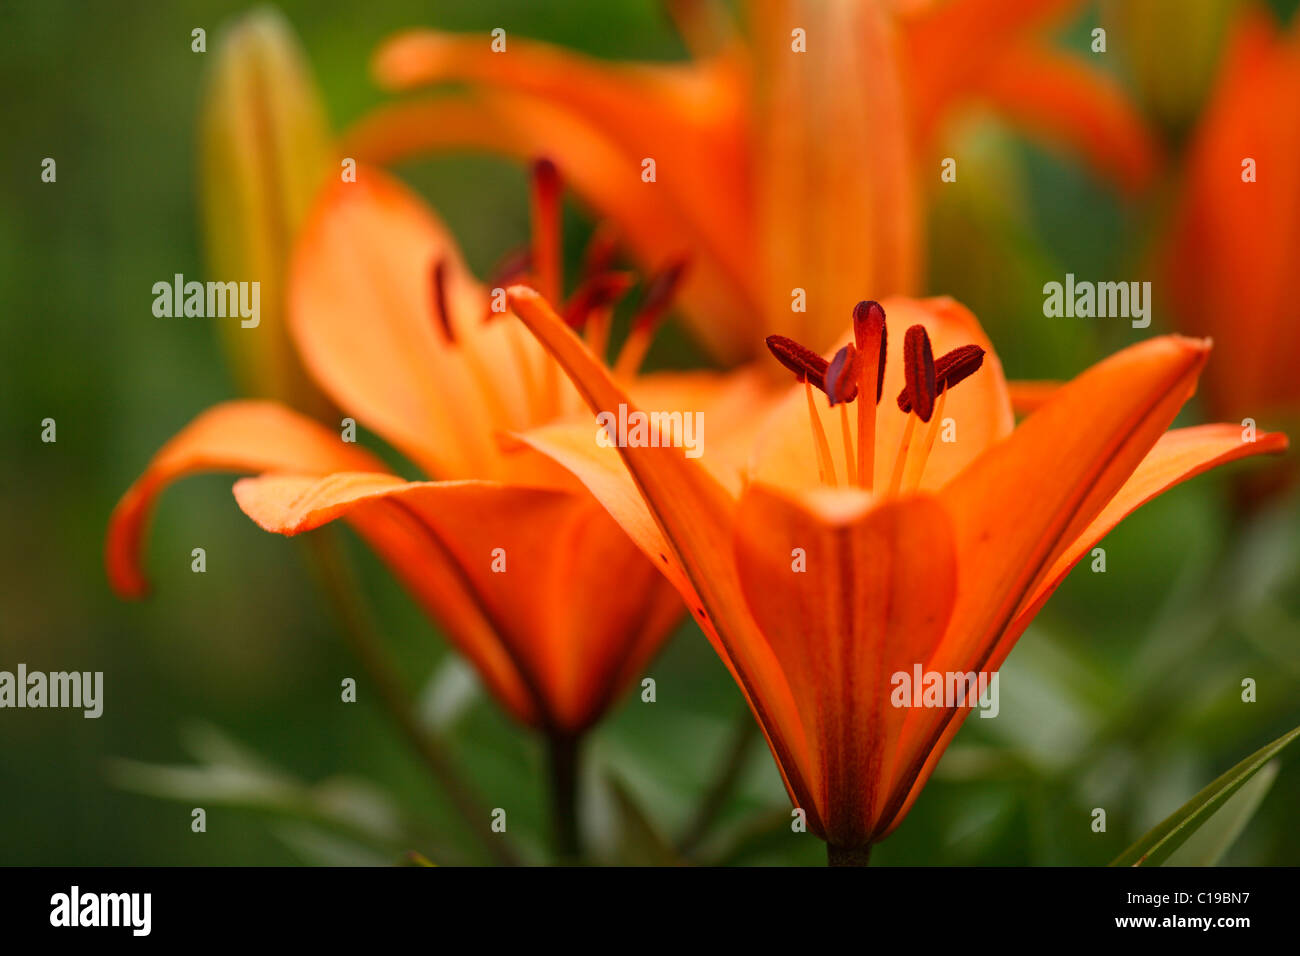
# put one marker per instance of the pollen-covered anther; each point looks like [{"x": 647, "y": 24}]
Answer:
[
  {"x": 438, "y": 276},
  {"x": 919, "y": 373},
  {"x": 806, "y": 364},
  {"x": 949, "y": 369},
  {"x": 843, "y": 375}
]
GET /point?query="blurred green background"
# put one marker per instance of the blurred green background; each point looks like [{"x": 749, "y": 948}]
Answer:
[{"x": 1124, "y": 695}]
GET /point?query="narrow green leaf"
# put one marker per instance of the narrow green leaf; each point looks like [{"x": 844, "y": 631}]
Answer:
[
  {"x": 643, "y": 844},
  {"x": 1207, "y": 846},
  {"x": 1159, "y": 844}
]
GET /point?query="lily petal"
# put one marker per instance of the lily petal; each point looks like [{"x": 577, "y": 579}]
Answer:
[
  {"x": 1014, "y": 506},
  {"x": 996, "y": 50},
  {"x": 678, "y": 105},
  {"x": 1028, "y": 397},
  {"x": 660, "y": 221},
  {"x": 872, "y": 599},
  {"x": 837, "y": 201},
  {"x": 249, "y": 436},
  {"x": 554, "y": 649},
  {"x": 1059, "y": 97},
  {"x": 1178, "y": 455},
  {"x": 1053, "y": 474},
  {"x": 362, "y": 316},
  {"x": 694, "y": 513}
]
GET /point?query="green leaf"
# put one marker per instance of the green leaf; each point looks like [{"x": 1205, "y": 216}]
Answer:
[
  {"x": 1158, "y": 845},
  {"x": 416, "y": 858},
  {"x": 643, "y": 844},
  {"x": 1207, "y": 846}
]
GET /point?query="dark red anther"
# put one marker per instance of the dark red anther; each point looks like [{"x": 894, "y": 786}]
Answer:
[
  {"x": 870, "y": 334},
  {"x": 601, "y": 251},
  {"x": 962, "y": 362},
  {"x": 804, "y": 362},
  {"x": 949, "y": 369},
  {"x": 918, "y": 371},
  {"x": 514, "y": 266},
  {"x": 660, "y": 291},
  {"x": 439, "y": 276},
  {"x": 596, "y": 293},
  {"x": 843, "y": 375},
  {"x": 546, "y": 180}
]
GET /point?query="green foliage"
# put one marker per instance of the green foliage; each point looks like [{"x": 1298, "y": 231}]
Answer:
[{"x": 1124, "y": 695}]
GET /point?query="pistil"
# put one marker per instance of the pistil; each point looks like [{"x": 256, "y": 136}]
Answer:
[{"x": 869, "y": 335}]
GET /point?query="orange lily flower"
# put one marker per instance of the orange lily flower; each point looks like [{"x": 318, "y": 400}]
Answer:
[
  {"x": 1230, "y": 258},
  {"x": 775, "y": 169},
  {"x": 529, "y": 576},
  {"x": 918, "y": 553}
]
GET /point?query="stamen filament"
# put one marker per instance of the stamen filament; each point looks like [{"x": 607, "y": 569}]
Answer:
[
  {"x": 896, "y": 478},
  {"x": 634, "y": 350},
  {"x": 825, "y": 467},
  {"x": 917, "y": 465},
  {"x": 846, "y": 433},
  {"x": 597, "y": 332}
]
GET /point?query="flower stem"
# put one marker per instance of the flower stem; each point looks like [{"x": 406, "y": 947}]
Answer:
[
  {"x": 742, "y": 741},
  {"x": 563, "y": 753},
  {"x": 366, "y": 645},
  {"x": 847, "y": 855}
]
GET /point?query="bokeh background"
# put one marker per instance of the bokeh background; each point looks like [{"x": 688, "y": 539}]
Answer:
[{"x": 222, "y": 690}]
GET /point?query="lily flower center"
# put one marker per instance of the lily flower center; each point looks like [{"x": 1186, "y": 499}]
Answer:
[
  {"x": 588, "y": 310},
  {"x": 857, "y": 371}
]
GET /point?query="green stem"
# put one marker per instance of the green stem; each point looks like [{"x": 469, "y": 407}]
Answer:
[
  {"x": 847, "y": 855},
  {"x": 564, "y": 755},
  {"x": 366, "y": 645},
  {"x": 715, "y": 798}
]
